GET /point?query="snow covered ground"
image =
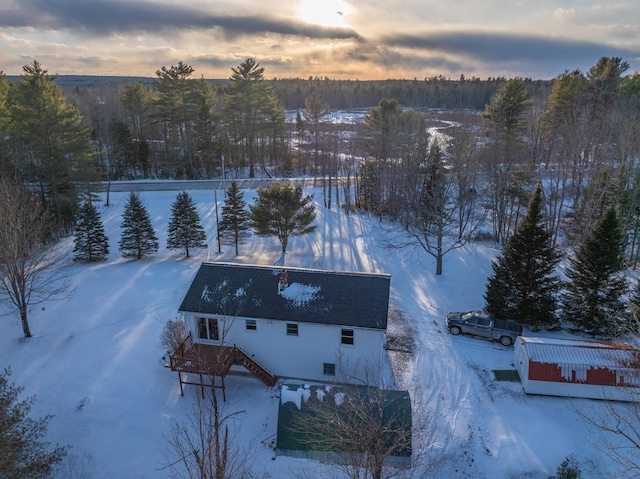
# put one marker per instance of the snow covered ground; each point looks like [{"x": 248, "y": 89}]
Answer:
[{"x": 95, "y": 361}]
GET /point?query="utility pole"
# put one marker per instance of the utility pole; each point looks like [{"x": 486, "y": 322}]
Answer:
[
  {"x": 224, "y": 177},
  {"x": 215, "y": 199}
]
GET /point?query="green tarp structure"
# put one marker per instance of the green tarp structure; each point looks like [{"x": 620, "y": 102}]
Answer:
[{"x": 325, "y": 402}]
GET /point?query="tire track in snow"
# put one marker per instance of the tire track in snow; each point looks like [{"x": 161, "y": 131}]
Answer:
[
  {"x": 447, "y": 388},
  {"x": 442, "y": 389}
]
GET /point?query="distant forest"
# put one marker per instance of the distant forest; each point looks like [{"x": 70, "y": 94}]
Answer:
[{"x": 430, "y": 92}]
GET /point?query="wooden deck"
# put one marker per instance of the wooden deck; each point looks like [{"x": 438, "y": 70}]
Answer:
[{"x": 211, "y": 361}]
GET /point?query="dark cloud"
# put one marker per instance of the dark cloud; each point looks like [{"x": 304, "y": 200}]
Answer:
[
  {"x": 400, "y": 64},
  {"x": 505, "y": 48},
  {"x": 225, "y": 63},
  {"x": 106, "y": 17}
]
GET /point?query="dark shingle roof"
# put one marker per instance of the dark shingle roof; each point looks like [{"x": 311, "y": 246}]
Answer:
[{"x": 313, "y": 296}]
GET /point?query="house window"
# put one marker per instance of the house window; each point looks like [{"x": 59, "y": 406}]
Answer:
[
  {"x": 329, "y": 369},
  {"x": 208, "y": 329},
  {"x": 251, "y": 325},
  {"x": 292, "y": 329},
  {"x": 347, "y": 336}
]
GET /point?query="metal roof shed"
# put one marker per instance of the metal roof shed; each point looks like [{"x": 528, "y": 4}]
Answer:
[
  {"x": 314, "y": 422},
  {"x": 578, "y": 368}
]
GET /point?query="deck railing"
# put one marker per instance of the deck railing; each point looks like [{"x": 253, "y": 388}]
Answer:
[{"x": 214, "y": 361}]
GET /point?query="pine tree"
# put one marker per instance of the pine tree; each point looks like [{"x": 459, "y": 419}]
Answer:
[
  {"x": 252, "y": 113},
  {"x": 185, "y": 230},
  {"x": 55, "y": 150},
  {"x": 280, "y": 210},
  {"x": 91, "y": 243},
  {"x": 138, "y": 236},
  {"x": 522, "y": 286},
  {"x": 593, "y": 300},
  {"x": 24, "y": 452},
  {"x": 569, "y": 469},
  {"x": 176, "y": 106},
  {"x": 234, "y": 226}
]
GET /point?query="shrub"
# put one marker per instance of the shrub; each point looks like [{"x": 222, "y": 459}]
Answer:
[{"x": 173, "y": 333}]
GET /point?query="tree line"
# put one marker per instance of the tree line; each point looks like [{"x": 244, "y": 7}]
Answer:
[
  {"x": 577, "y": 133},
  {"x": 185, "y": 127},
  {"x": 178, "y": 126}
]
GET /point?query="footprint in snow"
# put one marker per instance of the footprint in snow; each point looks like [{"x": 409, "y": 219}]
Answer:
[{"x": 83, "y": 402}]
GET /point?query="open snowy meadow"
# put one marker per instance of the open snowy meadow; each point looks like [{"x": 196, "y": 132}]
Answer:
[{"x": 96, "y": 364}]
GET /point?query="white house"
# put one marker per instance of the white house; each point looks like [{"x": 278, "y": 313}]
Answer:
[
  {"x": 578, "y": 368},
  {"x": 293, "y": 322}
]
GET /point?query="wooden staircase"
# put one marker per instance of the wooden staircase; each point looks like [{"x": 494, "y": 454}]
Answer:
[
  {"x": 213, "y": 361},
  {"x": 255, "y": 368}
]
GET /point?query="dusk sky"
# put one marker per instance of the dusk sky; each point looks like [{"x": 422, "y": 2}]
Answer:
[{"x": 364, "y": 39}]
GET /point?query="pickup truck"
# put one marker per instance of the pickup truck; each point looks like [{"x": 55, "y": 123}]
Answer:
[{"x": 479, "y": 323}]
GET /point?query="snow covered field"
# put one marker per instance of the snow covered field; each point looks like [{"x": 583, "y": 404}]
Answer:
[{"x": 95, "y": 361}]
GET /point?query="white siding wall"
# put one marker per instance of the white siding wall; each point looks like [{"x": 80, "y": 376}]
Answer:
[
  {"x": 301, "y": 356},
  {"x": 591, "y": 391},
  {"x": 521, "y": 360}
]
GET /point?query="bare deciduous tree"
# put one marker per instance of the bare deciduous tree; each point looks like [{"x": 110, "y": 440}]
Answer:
[
  {"x": 30, "y": 262},
  {"x": 440, "y": 217},
  {"x": 203, "y": 446},
  {"x": 362, "y": 426},
  {"x": 619, "y": 422},
  {"x": 366, "y": 431}
]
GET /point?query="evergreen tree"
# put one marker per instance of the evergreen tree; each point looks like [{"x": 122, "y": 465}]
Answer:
[
  {"x": 522, "y": 286},
  {"x": 235, "y": 217},
  {"x": 593, "y": 300},
  {"x": 53, "y": 148},
  {"x": 91, "y": 243},
  {"x": 176, "y": 107},
  {"x": 569, "y": 469},
  {"x": 280, "y": 210},
  {"x": 315, "y": 109},
  {"x": 505, "y": 117},
  {"x": 252, "y": 114},
  {"x": 185, "y": 230},
  {"x": 507, "y": 107},
  {"x": 138, "y": 236},
  {"x": 23, "y": 453}
]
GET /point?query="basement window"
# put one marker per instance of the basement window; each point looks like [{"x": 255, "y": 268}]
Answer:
[
  {"x": 252, "y": 325},
  {"x": 329, "y": 369}
]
